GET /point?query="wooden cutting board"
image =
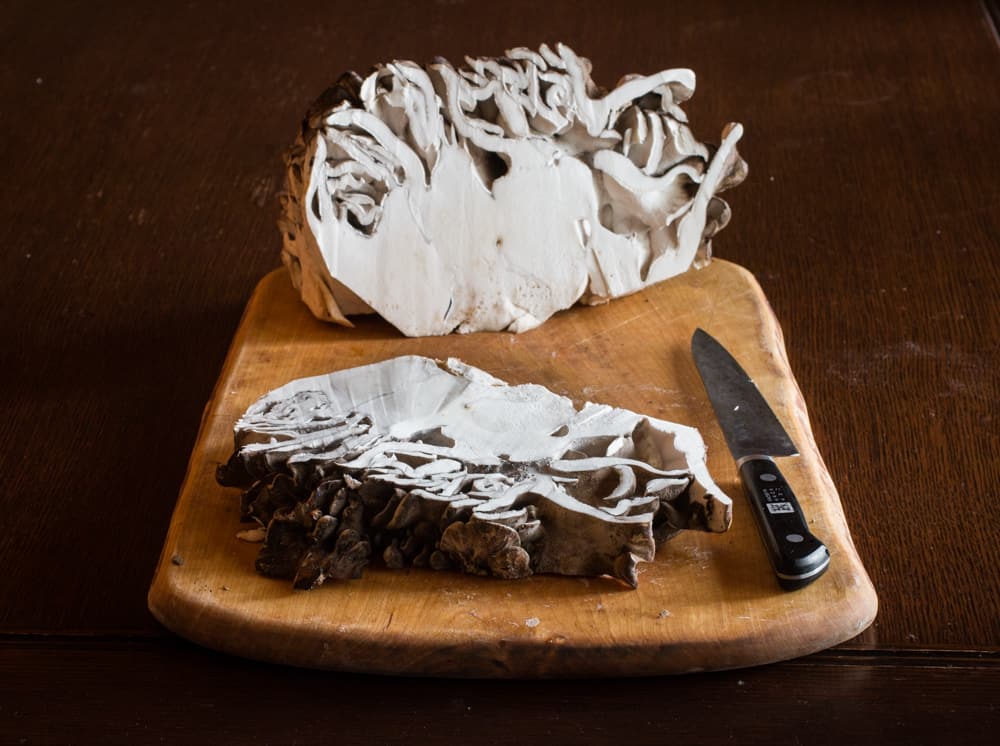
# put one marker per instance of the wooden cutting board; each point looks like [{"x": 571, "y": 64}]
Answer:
[{"x": 708, "y": 601}]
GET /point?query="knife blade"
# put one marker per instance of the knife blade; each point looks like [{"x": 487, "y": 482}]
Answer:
[{"x": 755, "y": 438}]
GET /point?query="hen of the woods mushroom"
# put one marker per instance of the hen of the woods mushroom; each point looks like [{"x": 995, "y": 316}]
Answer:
[
  {"x": 490, "y": 197},
  {"x": 444, "y": 466}
]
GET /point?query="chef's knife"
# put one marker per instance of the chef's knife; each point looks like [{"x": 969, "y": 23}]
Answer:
[{"x": 755, "y": 438}]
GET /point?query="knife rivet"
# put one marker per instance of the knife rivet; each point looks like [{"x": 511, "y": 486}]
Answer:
[
  {"x": 794, "y": 538},
  {"x": 768, "y": 477}
]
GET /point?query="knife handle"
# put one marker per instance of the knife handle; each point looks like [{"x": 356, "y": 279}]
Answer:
[{"x": 798, "y": 557}]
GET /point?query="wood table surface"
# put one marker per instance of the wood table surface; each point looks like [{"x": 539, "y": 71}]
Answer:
[{"x": 141, "y": 151}]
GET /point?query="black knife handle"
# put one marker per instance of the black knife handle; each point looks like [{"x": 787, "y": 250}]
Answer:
[{"x": 798, "y": 557}]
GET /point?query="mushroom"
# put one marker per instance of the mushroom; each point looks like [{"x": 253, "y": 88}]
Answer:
[
  {"x": 439, "y": 464},
  {"x": 490, "y": 196}
]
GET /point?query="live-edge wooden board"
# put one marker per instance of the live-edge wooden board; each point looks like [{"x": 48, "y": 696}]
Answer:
[{"x": 708, "y": 601}]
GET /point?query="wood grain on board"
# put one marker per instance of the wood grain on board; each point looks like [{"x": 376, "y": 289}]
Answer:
[{"x": 708, "y": 601}]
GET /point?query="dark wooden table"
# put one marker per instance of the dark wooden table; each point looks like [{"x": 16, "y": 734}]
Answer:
[{"x": 141, "y": 151}]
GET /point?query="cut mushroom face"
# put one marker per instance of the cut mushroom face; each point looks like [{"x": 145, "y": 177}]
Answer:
[
  {"x": 441, "y": 465},
  {"x": 489, "y": 197}
]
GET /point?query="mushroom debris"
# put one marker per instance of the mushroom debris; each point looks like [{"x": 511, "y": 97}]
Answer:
[
  {"x": 439, "y": 464},
  {"x": 489, "y": 197}
]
